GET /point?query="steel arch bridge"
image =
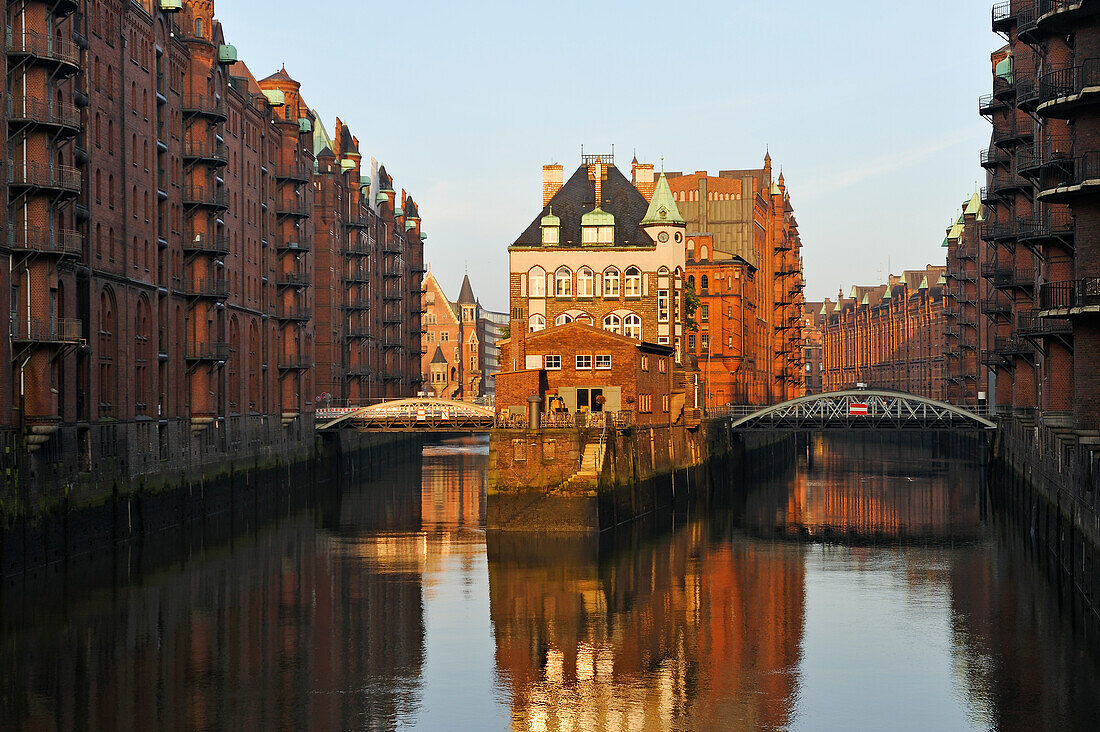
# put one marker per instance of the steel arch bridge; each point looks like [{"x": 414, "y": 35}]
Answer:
[
  {"x": 419, "y": 414},
  {"x": 862, "y": 409}
]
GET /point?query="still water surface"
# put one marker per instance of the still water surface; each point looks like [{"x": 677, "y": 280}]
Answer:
[{"x": 873, "y": 588}]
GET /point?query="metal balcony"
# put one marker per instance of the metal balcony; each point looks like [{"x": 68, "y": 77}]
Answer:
[
  {"x": 1012, "y": 133},
  {"x": 1064, "y": 180},
  {"x": 204, "y": 105},
  {"x": 966, "y": 251},
  {"x": 1064, "y": 16},
  {"x": 202, "y": 243},
  {"x": 988, "y": 104},
  {"x": 61, "y": 117},
  {"x": 998, "y": 230},
  {"x": 1007, "y": 184},
  {"x": 1009, "y": 346},
  {"x": 205, "y": 196},
  {"x": 390, "y": 319},
  {"x": 1063, "y": 90},
  {"x": 993, "y": 157},
  {"x": 207, "y": 351},
  {"x": 43, "y": 330},
  {"x": 357, "y": 220},
  {"x": 292, "y": 279},
  {"x": 995, "y": 305},
  {"x": 358, "y": 331},
  {"x": 1050, "y": 226},
  {"x": 392, "y": 271},
  {"x": 212, "y": 287},
  {"x": 1003, "y": 17},
  {"x": 357, "y": 277},
  {"x": 299, "y": 245},
  {"x": 60, "y": 242},
  {"x": 392, "y": 296},
  {"x": 293, "y": 312},
  {"x": 293, "y": 207},
  {"x": 357, "y": 303},
  {"x": 1030, "y": 323},
  {"x": 61, "y": 54},
  {"x": 392, "y": 344},
  {"x": 60, "y": 179},
  {"x": 1071, "y": 296},
  {"x": 294, "y": 362},
  {"x": 208, "y": 151},
  {"x": 293, "y": 173}
]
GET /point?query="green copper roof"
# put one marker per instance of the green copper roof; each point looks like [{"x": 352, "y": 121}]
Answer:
[
  {"x": 886, "y": 295},
  {"x": 423, "y": 236},
  {"x": 836, "y": 308},
  {"x": 598, "y": 217},
  {"x": 974, "y": 205},
  {"x": 550, "y": 219},
  {"x": 383, "y": 196},
  {"x": 866, "y": 300},
  {"x": 398, "y": 211},
  {"x": 942, "y": 280},
  {"x": 853, "y": 293},
  {"x": 662, "y": 207},
  {"x": 923, "y": 283},
  {"x": 822, "y": 309},
  {"x": 1004, "y": 69},
  {"x": 364, "y": 180},
  {"x": 321, "y": 140},
  {"x": 410, "y": 225},
  {"x": 944, "y": 242}
]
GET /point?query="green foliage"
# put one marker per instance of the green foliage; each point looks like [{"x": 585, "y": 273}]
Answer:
[{"x": 691, "y": 304}]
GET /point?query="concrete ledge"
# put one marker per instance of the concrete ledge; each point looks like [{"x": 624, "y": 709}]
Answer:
[{"x": 542, "y": 512}]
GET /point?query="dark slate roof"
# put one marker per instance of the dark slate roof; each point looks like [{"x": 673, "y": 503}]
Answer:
[
  {"x": 385, "y": 183},
  {"x": 578, "y": 196},
  {"x": 410, "y": 209},
  {"x": 280, "y": 75},
  {"x": 466, "y": 294},
  {"x": 326, "y": 153},
  {"x": 347, "y": 142},
  {"x": 439, "y": 357}
]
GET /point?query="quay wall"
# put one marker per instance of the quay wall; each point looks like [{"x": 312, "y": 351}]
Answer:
[
  {"x": 1047, "y": 480},
  {"x": 42, "y": 532},
  {"x": 589, "y": 480}
]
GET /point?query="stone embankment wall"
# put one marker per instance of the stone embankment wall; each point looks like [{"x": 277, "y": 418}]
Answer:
[
  {"x": 1049, "y": 480},
  {"x": 108, "y": 515},
  {"x": 587, "y": 480}
]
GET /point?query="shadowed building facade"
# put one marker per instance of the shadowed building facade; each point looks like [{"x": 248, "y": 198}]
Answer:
[
  {"x": 159, "y": 226},
  {"x": 459, "y": 354}
]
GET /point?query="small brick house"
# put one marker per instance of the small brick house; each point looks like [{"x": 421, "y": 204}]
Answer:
[{"x": 577, "y": 368}]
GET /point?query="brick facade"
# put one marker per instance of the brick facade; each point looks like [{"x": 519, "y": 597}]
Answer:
[
  {"x": 459, "y": 355},
  {"x": 890, "y": 336},
  {"x": 158, "y": 239}
]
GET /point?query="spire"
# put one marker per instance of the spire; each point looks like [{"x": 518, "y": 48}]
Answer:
[
  {"x": 662, "y": 207},
  {"x": 466, "y": 294}
]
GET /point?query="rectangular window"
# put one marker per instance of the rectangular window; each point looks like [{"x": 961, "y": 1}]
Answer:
[
  {"x": 730, "y": 344},
  {"x": 584, "y": 362},
  {"x": 704, "y": 341},
  {"x": 588, "y": 235},
  {"x": 549, "y": 235},
  {"x": 662, "y": 306},
  {"x": 645, "y": 363},
  {"x": 603, "y": 361},
  {"x": 691, "y": 342},
  {"x": 553, "y": 362},
  {"x": 704, "y": 312},
  {"x": 661, "y": 365},
  {"x": 663, "y": 340},
  {"x": 444, "y": 337},
  {"x": 664, "y": 403}
]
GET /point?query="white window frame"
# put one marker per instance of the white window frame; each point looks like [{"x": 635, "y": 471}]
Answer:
[
  {"x": 584, "y": 362},
  {"x": 536, "y": 323},
  {"x": 611, "y": 282},
  {"x": 613, "y": 323},
  {"x": 563, "y": 319},
  {"x": 550, "y": 235},
  {"x": 662, "y": 306},
  {"x": 563, "y": 282},
  {"x": 552, "y": 362},
  {"x": 632, "y": 283},
  {"x": 602, "y": 361},
  {"x": 585, "y": 280},
  {"x": 536, "y": 282},
  {"x": 632, "y": 327}
]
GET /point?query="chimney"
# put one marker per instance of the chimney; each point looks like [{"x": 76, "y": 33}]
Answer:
[
  {"x": 643, "y": 179},
  {"x": 552, "y": 178}
]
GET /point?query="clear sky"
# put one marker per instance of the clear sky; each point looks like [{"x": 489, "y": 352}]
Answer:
[{"x": 870, "y": 109}]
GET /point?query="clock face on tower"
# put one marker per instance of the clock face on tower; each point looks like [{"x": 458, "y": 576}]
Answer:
[{"x": 663, "y": 236}]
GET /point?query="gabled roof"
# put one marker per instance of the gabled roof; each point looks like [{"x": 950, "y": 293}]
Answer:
[
  {"x": 662, "y": 206},
  {"x": 466, "y": 294},
  {"x": 578, "y": 197},
  {"x": 438, "y": 357},
  {"x": 385, "y": 182},
  {"x": 280, "y": 75},
  {"x": 593, "y": 333}
]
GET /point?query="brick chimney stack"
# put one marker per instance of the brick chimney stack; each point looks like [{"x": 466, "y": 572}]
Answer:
[
  {"x": 553, "y": 176},
  {"x": 644, "y": 179}
]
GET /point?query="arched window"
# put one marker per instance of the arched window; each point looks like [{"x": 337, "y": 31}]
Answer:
[
  {"x": 613, "y": 323},
  {"x": 198, "y": 27},
  {"x": 663, "y": 271},
  {"x": 632, "y": 284},
  {"x": 584, "y": 282},
  {"x": 611, "y": 282},
  {"x": 111, "y": 136},
  {"x": 704, "y": 283},
  {"x": 632, "y": 327},
  {"x": 704, "y": 252},
  {"x": 563, "y": 319},
  {"x": 691, "y": 282},
  {"x": 563, "y": 282},
  {"x": 536, "y": 282},
  {"x": 536, "y": 322}
]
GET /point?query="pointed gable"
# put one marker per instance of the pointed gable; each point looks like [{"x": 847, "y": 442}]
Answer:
[
  {"x": 466, "y": 293},
  {"x": 662, "y": 207}
]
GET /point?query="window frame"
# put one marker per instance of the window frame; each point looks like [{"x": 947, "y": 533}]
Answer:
[
  {"x": 606, "y": 362},
  {"x": 583, "y": 358}
]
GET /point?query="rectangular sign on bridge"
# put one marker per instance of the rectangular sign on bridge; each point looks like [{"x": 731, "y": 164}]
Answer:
[{"x": 858, "y": 409}]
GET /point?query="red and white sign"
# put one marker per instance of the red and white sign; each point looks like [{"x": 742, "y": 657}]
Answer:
[
  {"x": 858, "y": 409},
  {"x": 421, "y": 414},
  {"x": 445, "y": 413}
]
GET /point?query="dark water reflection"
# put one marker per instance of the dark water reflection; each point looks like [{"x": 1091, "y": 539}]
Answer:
[{"x": 873, "y": 588}]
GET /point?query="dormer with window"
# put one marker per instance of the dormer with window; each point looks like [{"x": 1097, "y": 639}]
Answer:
[
  {"x": 598, "y": 228},
  {"x": 551, "y": 229}
]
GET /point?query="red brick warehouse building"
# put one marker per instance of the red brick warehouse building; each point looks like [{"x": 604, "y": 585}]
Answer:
[
  {"x": 159, "y": 235},
  {"x": 887, "y": 336}
]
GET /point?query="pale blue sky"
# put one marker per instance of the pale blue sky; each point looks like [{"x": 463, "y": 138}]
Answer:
[{"x": 869, "y": 107}]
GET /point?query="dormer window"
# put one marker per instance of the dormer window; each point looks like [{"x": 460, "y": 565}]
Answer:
[
  {"x": 598, "y": 227},
  {"x": 551, "y": 228}
]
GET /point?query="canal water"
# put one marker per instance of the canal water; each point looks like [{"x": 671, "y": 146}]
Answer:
[{"x": 871, "y": 588}]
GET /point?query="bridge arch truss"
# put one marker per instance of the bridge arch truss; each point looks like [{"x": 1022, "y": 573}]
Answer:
[
  {"x": 862, "y": 409},
  {"x": 425, "y": 414}
]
